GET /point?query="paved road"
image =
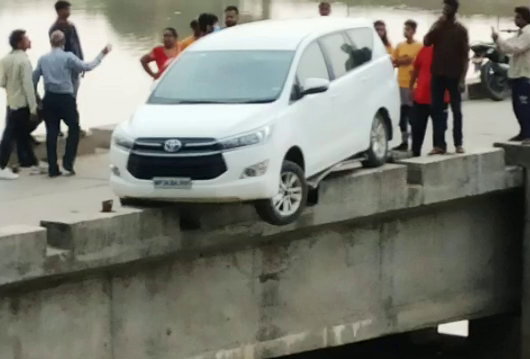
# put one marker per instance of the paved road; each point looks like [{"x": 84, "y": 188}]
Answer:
[{"x": 31, "y": 199}]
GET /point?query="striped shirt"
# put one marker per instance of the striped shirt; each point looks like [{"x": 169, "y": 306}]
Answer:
[
  {"x": 59, "y": 69},
  {"x": 15, "y": 77}
]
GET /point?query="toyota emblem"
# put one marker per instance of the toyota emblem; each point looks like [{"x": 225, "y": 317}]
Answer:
[{"x": 172, "y": 146}]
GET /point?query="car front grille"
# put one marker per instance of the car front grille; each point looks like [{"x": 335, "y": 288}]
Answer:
[{"x": 198, "y": 159}]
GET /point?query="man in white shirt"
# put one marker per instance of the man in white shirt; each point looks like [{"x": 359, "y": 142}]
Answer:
[
  {"x": 519, "y": 73},
  {"x": 16, "y": 78}
]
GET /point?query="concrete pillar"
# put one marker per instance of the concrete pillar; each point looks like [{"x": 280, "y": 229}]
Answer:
[
  {"x": 520, "y": 155},
  {"x": 495, "y": 337}
]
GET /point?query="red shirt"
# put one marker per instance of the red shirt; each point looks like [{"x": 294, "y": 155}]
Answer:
[
  {"x": 160, "y": 57},
  {"x": 423, "y": 64}
]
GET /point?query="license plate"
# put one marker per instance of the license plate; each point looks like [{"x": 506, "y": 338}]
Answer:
[{"x": 172, "y": 183}]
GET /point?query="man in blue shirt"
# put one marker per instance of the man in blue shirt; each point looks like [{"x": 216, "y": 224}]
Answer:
[{"x": 58, "y": 68}]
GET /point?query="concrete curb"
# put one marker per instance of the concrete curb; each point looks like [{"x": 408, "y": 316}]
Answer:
[{"x": 80, "y": 242}]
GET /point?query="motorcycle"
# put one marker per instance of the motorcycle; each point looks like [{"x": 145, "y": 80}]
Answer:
[{"x": 493, "y": 67}]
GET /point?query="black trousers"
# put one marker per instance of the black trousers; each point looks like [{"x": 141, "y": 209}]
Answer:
[
  {"x": 521, "y": 104},
  {"x": 439, "y": 85},
  {"x": 17, "y": 131},
  {"x": 419, "y": 121},
  {"x": 59, "y": 107},
  {"x": 404, "y": 121}
]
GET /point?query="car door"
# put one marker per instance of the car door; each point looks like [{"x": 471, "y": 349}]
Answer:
[
  {"x": 310, "y": 112},
  {"x": 345, "y": 91},
  {"x": 370, "y": 79}
]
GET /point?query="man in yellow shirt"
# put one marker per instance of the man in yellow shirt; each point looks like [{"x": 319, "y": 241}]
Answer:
[
  {"x": 404, "y": 57},
  {"x": 194, "y": 25}
]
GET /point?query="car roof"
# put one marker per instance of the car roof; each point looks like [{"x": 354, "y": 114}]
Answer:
[{"x": 275, "y": 34}]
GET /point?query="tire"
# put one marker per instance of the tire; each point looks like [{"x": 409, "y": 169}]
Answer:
[
  {"x": 270, "y": 210},
  {"x": 494, "y": 88},
  {"x": 377, "y": 154}
]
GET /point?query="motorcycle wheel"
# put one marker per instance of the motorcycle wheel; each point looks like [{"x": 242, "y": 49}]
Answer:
[{"x": 495, "y": 86}]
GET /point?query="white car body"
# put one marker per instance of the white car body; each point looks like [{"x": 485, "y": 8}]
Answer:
[{"x": 320, "y": 129}]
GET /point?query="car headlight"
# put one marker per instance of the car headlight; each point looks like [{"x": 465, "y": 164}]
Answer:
[
  {"x": 121, "y": 140},
  {"x": 247, "y": 139}
]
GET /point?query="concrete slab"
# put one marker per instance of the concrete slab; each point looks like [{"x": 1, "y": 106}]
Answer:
[
  {"x": 453, "y": 176},
  {"x": 102, "y": 135},
  {"x": 23, "y": 252}
]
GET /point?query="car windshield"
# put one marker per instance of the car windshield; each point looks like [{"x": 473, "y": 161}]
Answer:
[{"x": 224, "y": 77}]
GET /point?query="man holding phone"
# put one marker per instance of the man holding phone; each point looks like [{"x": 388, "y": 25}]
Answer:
[
  {"x": 58, "y": 68},
  {"x": 519, "y": 72}
]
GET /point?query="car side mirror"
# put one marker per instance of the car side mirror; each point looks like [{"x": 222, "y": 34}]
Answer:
[{"x": 314, "y": 85}]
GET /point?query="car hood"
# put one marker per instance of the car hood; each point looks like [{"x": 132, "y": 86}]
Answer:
[{"x": 199, "y": 120}]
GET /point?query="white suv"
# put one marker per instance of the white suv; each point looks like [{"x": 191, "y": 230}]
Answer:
[{"x": 253, "y": 112}]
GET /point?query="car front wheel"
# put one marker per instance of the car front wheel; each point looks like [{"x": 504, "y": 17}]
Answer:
[
  {"x": 378, "y": 152},
  {"x": 289, "y": 203}
]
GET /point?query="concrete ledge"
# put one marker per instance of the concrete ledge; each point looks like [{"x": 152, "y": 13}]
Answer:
[
  {"x": 515, "y": 153},
  {"x": 23, "y": 250},
  {"x": 102, "y": 135},
  {"x": 80, "y": 241},
  {"x": 107, "y": 234},
  {"x": 454, "y": 176}
]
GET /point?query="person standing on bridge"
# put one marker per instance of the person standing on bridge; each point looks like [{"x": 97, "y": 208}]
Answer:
[
  {"x": 404, "y": 57},
  {"x": 15, "y": 77},
  {"x": 231, "y": 16},
  {"x": 380, "y": 28},
  {"x": 519, "y": 72},
  {"x": 72, "y": 42},
  {"x": 196, "y": 34},
  {"x": 162, "y": 55},
  {"x": 324, "y": 8},
  {"x": 420, "y": 86},
  {"x": 449, "y": 68},
  {"x": 58, "y": 69}
]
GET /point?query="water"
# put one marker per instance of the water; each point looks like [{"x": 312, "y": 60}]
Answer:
[{"x": 112, "y": 92}]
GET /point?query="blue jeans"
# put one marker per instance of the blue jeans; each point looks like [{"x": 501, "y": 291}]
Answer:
[{"x": 521, "y": 104}]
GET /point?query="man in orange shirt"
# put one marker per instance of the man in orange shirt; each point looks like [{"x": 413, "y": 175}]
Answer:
[{"x": 196, "y": 33}]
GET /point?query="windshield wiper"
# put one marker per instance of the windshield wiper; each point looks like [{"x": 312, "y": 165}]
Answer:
[
  {"x": 267, "y": 100},
  {"x": 184, "y": 102}
]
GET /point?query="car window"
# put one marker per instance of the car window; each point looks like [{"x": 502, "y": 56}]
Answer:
[
  {"x": 312, "y": 64},
  {"x": 362, "y": 45},
  {"x": 339, "y": 53}
]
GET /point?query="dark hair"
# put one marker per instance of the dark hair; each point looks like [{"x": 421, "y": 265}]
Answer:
[
  {"x": 384, "y": 38},
  {"x": 324, "y": 3},
  {"x": 62, "y": 4},
  {"x": 194, "y": 24},
  {"x": 172, "y": 31},
  {"x": 454, "y": 3},
  {"x": 16, "y": 37},
  {"x": 524, "y": 12},
  {"x": 232, "y": 8},
  {"x": 206, "y": 20},
  {"x": 412, "y": 24}
]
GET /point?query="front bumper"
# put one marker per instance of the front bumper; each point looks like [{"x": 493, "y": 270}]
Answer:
[{"x": 229, "y": 187}]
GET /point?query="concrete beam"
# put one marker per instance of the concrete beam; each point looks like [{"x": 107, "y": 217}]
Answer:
[
  {"x": 23, "y": 252},
  {"x": 448, "y": 177},
  {"x": 126, "y": 234},
  {"x": 102, "y": 135}
]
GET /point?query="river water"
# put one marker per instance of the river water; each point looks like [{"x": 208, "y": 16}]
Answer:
[{"x": 112, "y": 92}]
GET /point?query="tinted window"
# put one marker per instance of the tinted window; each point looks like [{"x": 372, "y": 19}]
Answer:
[
  {"x": 363, "y": 44},
  {"x": 338, "y": 51},
  {"x": 312, "y": 65},
  {"x": 224, "y": 77}
]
